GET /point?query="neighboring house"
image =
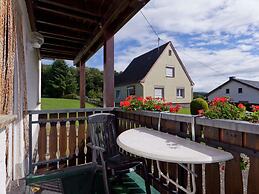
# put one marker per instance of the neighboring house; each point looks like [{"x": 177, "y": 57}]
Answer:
[
  {"x": 239, "y": 90},
  {"x": 159, "y": 73}
]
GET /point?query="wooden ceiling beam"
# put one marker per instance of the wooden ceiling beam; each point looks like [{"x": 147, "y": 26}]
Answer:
[
  {"x": 61, "y": 42},
  {"x": 55, "y": 56},
  {"x": 30, "y": 8},
  {"x": 58, "y": 46},
  {"x": 66, "y": 7},
  {"x": 57, "y": 51},
  {"x": 66, "y": 39},
  {"x": 62, "y": 26},
  {"x": 110, "y": 14},
  {"x": 67, "y": 14}
]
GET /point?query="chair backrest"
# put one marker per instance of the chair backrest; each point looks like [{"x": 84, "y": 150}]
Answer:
[{"x": 103, "y": 132}]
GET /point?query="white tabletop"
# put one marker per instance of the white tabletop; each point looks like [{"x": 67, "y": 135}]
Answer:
[{"x": 156, "y": 145}]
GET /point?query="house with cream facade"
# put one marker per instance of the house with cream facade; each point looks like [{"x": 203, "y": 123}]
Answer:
[{"x": 159, "y": 73}]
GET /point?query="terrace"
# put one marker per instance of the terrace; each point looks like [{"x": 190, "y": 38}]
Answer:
[{"x": 235, "y": 137}]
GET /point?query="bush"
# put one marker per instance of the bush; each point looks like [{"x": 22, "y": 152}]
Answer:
[
  {"x": 71, "y": 96},
  {"x": 198, "y": 104},
  {"x": 221, "y": 108}
]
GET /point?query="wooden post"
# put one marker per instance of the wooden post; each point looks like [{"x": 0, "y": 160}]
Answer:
[
  {"x": 108, "y": 75},
  {"x": 82, "y": 84}
]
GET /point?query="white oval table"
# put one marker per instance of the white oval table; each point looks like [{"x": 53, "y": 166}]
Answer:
[{"x": 159, "y": 146}]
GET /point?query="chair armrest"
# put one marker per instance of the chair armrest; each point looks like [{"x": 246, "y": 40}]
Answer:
[{"x": 98, "y": 148}]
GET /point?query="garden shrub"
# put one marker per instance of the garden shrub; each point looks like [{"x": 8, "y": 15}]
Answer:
[
  {"x": 197, "y": 105},
  {"x": 71, "y": 96}
]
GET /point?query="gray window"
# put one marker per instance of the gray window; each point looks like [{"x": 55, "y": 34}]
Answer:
[
  {"x": 240, "y": 90},
  {"x": 159, "y": 92},
  {"x": 180, "y": 93},
  {"x": 118, "y": 92},
  {"x": 131, "y": 91},
  {"x": 227, "y": 91},
  {"x": 169, "y": 71},
  {"x": 170, "y": 52}
]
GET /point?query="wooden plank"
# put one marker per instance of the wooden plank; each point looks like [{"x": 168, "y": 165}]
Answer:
[
  {"x": 233, "y": 177},
  {"x": 108, "y": 73},
  {"x": 212, "y": 170},
  {"x": 212, "y": 178},
  {"x": 82, "y": 84},
  {"x": 252, "y": 141}
]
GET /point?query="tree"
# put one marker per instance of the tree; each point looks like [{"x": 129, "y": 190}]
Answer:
[
  {"x": 94, "y": 82},
  {"x": 45, "y": 72},
  {"x": 60, "y": 80}
]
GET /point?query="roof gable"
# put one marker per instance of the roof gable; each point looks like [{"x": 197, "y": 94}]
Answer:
[
  {"x": 141, "y": 65},
  {"x": 249, "y": 83}
]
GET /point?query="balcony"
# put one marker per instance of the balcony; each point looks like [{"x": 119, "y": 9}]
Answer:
[{"x": 63, "y": 136}]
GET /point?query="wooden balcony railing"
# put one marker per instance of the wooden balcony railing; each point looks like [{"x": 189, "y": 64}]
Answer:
[
  {"x": 62, "y": 139},
  {"x": 63, "y": 136}
]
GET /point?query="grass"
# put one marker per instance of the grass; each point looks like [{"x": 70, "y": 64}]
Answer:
[
  {"x": 186, "y": 111},
  {"x": 61, "y": 103}
]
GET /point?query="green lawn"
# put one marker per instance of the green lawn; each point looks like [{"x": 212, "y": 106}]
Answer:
[
  {"x": 61, "y": 103},
  {"x": 185, "y": 111}
]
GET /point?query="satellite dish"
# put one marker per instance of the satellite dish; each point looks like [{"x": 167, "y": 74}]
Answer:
[{"x": 37, "y": 39}]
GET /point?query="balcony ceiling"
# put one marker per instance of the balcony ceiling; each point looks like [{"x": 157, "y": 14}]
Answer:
[{"x": 76, "y": 29}]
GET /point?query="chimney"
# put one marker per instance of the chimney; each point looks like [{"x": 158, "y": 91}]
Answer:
[{"x": 232, "y": 77}]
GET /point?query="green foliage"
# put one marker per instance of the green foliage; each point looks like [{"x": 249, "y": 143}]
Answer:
[
  {"x": 94, "y": 83},
  {"x": 59, "y": 80},
  {"x": 221, "y": 108},
  {"x": 198, "y": 104},
  {"x": 71, "y": 96}
]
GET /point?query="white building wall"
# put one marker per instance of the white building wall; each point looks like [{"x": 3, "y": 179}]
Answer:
[
  {"x": 2, "y": 161},
  {"x": 123, "y": 91},
  {"x": 17, "y": 163},
  {"x": 248, "y": 94}
]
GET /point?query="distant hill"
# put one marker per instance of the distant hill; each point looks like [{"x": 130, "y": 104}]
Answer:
[{"x": 200, "y": 94}]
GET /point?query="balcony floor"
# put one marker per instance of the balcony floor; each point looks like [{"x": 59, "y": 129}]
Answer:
[{"x": 131, "y": 183}]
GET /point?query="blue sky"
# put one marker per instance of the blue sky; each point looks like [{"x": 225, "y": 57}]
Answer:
[{"x": 215, "y": 39}]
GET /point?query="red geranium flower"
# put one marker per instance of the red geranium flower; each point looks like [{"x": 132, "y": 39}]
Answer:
[
  {"x": 149, "y": 98},
  {"x": 129, "y": 98},
  {"x": 241, "y": 106},
  {"x": 201, "y": 112},
  {"x": 255, "y": 108},
  {"x": 157, "y": 107},
  {"x": 141, "y": 99}
]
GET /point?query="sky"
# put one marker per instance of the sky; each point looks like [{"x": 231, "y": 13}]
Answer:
[{"x": 214, "y": 39}]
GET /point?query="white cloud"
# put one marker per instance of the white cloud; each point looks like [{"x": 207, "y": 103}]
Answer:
[{"x": 215, "y": 39}]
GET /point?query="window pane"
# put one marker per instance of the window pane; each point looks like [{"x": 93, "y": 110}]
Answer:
[
  {"x": 158, "y": 92},
  {"x": 131, "y": 91},
  {"x": 117, "y": 93},
  {"x": 240, "y": 90},
  {"x": 227, "y": 91},
  {"x": 180, "y": 93},
  {"x": 169, "y": 72}
]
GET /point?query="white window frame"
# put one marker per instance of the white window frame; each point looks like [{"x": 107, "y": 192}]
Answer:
[
  {"x": 180, "y": 95},
  {"x": 170, "y": 74}
]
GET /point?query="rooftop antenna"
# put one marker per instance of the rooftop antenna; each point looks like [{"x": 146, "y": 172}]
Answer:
[{"x": 153, "y": 29}]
